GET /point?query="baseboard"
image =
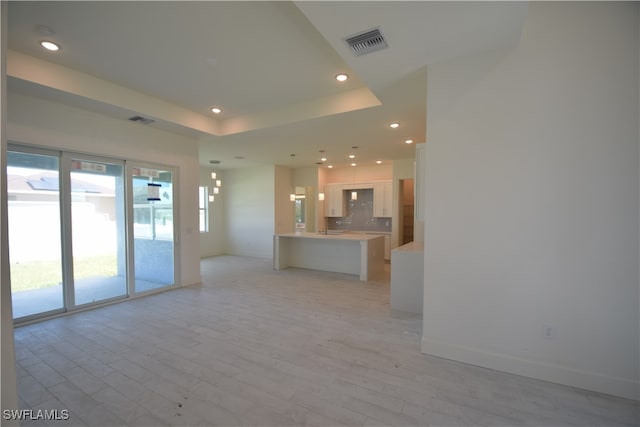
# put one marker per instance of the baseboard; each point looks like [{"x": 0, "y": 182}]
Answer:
[
  {"x": 191, "y": 281},
  {"x": 620, "y": 387}
]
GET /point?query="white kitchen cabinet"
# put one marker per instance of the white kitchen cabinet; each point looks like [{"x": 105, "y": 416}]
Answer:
[
  {"x": 333, "y": 200},
  {"x": 382, "y": 199}
]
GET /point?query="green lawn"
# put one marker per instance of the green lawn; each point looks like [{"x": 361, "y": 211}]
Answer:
[{"x": 43, "y": 274}]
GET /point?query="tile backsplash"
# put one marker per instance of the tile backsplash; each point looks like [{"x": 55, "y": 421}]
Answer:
[{"x": 359, "y": 215}]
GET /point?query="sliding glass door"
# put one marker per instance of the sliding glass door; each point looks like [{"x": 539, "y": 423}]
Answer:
[
  {"x": 33, "y": 198},
  {"x": 153, "y": 228},
  {"x": 86, "y": 230},
  {"x": 98, "y": 230}
]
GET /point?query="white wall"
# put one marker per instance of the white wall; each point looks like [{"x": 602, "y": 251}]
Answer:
[
  {"x": 321, "y": 223},
  {"x": 249, "y": 211},
  {"x": 532, "y": 201},
  {"x": 306, "y": 177},
  {"x": 43, "y": 123},
  {"x": 9, "y": 390},
  {"x": 212, "y": 242},
  {"x": 284, "y": 219},
  {"x": 363, "y": 173}
]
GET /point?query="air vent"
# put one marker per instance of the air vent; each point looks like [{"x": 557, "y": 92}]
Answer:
[
  {"x": 367, "y": 42},
  {"x": 140, "y": 119}
]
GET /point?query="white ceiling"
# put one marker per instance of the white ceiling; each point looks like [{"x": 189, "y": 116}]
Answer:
[{"x": 269, "y": 65}]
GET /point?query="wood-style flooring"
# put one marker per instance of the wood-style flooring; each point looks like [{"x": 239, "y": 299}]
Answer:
[{"x": 256, "y": 347}]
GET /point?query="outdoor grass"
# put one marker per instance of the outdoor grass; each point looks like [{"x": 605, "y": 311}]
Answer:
[{"x": 44, "y": 274}]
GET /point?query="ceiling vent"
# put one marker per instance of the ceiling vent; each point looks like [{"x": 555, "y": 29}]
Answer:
[
  {"x": 367, "y": 42},
  {"x": 140, "y": 119}
]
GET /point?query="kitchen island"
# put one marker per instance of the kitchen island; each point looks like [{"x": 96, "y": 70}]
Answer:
[{"x": 359, "y": 254}]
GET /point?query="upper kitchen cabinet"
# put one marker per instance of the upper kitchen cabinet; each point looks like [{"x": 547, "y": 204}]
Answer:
[
  {"x": 382, "y": 199},
  {"x": 333, "y": 200}
]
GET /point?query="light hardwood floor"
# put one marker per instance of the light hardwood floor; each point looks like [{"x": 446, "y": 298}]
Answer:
[{"x": 252, "y": 346}]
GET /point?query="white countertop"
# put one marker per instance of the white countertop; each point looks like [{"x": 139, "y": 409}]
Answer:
[{"x": 344, "y": 236}]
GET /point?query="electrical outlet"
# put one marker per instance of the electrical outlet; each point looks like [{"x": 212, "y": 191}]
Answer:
[{"x": 548, "y": 332}]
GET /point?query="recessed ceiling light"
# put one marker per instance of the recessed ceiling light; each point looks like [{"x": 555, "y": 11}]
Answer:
[
  {"x": 379, "y": 162},
  {"x": 352, "y": 156},
  {"x": 353, "y": 164},
  {"x": 409, "y": 141},
  {"x": 216, "y": 110},
  {"x": 330, "y": 166},
  {"x": 324, "y": 159},
  {"x": 394, "y": 125},
  {"x": 50, "y": 46},
  {"x": 342, "y": 77}
]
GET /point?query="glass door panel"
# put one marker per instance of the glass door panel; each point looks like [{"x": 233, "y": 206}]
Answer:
[
  {"x": 98, "y": 231},
  {"x": 153, "y": 232},
  {"x": 35, "y": 251}
]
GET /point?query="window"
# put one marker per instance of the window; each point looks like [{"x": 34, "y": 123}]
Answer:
[{"x": 203, "y": 208}]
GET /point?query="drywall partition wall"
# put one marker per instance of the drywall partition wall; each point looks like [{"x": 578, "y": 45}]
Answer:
[
  {"x": 321, "y": 223},
  {"x": 305, "y": 177},
  {"x": 362, "y": 173},
  {"x": 249, "y": 211},
  {"x": 9, "y": 391},
  {"x": 284, "y": 214},
  {"x": 212, "y": 242},
  {"x": 44, "y": 123},
  {"x": 532, "y": 188}
]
